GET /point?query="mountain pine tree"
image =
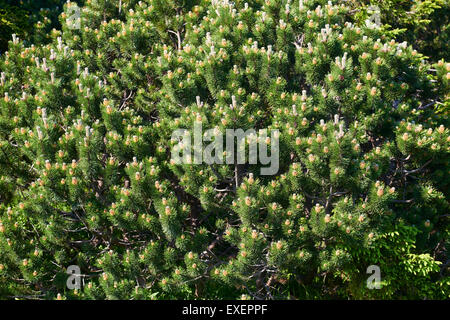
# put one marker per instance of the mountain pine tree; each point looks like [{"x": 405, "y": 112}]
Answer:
[{"x": 86, "y": 176}]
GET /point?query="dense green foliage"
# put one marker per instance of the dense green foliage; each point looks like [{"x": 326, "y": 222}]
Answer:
[
  {"x": 13, "y": 20},
  {"x": 31, "y": 20},
  {"x": 422, "y": 23},
  {"x": 86, "y": 176}
]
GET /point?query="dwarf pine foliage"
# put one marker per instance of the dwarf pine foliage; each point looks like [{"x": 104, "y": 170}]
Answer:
[{"x": 87, "y": 176}]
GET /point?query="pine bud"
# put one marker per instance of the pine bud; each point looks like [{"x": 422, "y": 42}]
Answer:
[
  {"x": 380, "y": 192},
  {"x": 279, "y": 245}
]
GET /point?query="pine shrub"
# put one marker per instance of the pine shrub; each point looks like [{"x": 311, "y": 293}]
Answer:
[{"x": 86, "y": 176}]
